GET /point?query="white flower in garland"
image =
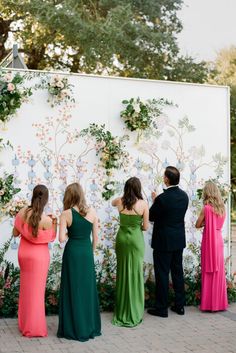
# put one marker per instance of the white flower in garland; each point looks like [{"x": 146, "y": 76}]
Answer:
[{"x": 110, "y": 186}]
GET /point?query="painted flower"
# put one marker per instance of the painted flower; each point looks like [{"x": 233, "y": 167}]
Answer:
[
  {"x": 162, "y": 121},
  {"x": 165, "y": 145},
  {"x": 197, "y": 153}
]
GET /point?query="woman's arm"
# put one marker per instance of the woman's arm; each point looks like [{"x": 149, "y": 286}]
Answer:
[
  {"x": 17, "y": 223},
  {"x": 200, "y": 220},
  {"x": 115, "y": 202},
  {"x": 54, "y": 222},
  {"x": 63, "y": 228},
  {"x": 145, "y": 224},
  {"x": 95, "y": 232},
  {"x": 15, "y": 232}
]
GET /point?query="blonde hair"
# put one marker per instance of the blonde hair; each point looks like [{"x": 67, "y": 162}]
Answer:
[
  {"x": 74, "y": 196},
  {"x": 212, "y": 196}
]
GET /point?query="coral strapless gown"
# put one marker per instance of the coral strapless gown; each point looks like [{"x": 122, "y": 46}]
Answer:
[{"x": 33, "y": 257}]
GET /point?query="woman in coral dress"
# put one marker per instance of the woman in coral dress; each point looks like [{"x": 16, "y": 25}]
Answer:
[
  {"x": 213, "y": 280},
  {"x": 36, "y": 230}
]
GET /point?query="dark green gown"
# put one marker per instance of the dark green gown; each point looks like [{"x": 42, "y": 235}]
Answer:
[
  {"x": 79, "y": 315},
  {"x": 129, "y": 305}
]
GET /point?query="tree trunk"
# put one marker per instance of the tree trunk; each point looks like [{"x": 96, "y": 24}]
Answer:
[{"x": 4, "y": 30}]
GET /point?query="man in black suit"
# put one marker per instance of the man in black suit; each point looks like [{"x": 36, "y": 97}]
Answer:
[{"x": 168, "y": 241}]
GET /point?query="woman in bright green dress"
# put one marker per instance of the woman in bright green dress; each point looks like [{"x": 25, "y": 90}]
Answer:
[
  {"x": 133, "y": 210},
  {"x": 79, "y": 315}
]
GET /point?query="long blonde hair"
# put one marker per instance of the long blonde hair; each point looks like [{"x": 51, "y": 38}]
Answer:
[
  {"x": 212, "y": 196},
  {"x": 74, "y": 196}
]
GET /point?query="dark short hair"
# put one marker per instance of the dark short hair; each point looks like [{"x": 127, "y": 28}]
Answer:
[{"x": 173, "y": 175}]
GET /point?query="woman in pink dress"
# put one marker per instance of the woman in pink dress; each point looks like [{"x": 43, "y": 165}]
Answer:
[
  {"x": 213, "y": 280},
  {"x": 36, "y": 231}
]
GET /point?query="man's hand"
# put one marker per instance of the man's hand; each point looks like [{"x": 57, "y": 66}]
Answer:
[{"x": 154, "y": 195}]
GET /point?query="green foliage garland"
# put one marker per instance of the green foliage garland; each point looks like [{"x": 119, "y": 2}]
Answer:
[
  {"x": 223, "y": 187},
  {"x": 7, "y": 189},
  {"x": 12, "y": 94},
  {"x": 139, "y": 115}
]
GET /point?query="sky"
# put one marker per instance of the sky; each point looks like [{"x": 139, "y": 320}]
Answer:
[{"x": 209, "y": 25}]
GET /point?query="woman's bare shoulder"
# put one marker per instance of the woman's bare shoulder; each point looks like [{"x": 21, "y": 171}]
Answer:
[
  {"x": 91, "y": 211},
  {"x": 142, "y": 203},
  {"x": 117, "y": 202},
  {"x": 66, "y": 213},
  {"x": 22, "y": 211}
]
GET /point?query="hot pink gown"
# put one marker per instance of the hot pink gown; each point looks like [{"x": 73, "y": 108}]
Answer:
[
  {"x": 213, "y": 287},
  {"x": 33, "y": 257}
]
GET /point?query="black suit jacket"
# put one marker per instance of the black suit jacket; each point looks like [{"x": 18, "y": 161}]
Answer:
[{"x": 167, "y": 213}]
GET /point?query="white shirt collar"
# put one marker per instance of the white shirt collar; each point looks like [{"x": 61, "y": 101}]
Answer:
[{"x": 172, "y": 186}]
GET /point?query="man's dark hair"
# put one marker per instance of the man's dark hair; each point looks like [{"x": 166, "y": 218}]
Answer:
[{"x": 173, "y": 175}]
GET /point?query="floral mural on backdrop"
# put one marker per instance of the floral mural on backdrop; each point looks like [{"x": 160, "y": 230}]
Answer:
[{"x": 147, "y": 129}]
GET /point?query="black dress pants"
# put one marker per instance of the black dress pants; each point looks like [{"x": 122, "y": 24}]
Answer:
[{"x": 164, "y": 262}]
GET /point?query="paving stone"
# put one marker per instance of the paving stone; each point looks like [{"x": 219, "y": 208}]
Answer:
[{"x": 195, "y": 332}]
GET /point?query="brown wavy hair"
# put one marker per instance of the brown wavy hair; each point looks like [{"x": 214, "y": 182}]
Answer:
[
  {"x": 74, "y": 196},
  {"x": 38, "y": 202},
  {"x": 212, "y": 196},
  {"x": 132, "y": 193}
]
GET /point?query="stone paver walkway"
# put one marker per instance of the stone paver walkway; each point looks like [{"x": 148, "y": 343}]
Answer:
[{"x": 195, "y": 332}]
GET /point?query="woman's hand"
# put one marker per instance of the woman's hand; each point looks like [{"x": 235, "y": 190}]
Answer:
[
  {"x": 201, "y": 220},
  {"x": 54, "y": 221},
  {"x": 53, "y": 217}
]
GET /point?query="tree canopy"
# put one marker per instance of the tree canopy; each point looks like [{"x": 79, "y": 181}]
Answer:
[
  {"x": 132, "y": 38},
  {"x": 224, "y": 73}
]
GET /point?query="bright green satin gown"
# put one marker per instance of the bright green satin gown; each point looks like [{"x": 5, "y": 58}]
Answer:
[
  {"x": 79, "y": 315},
  {"x": 129, "y": 305}
]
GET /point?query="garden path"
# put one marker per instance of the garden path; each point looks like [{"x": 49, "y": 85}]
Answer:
[{"x": 195, "y": 332}]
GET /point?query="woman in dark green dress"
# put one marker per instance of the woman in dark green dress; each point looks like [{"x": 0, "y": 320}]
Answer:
[
  {"x": 79, "y": 315},
  {"x": 133, "y": 210}
]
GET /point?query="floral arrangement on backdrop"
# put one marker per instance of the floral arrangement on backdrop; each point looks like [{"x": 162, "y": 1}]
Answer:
[
  {"x": 7, "y": 189},
  {"x": 109, "y": 189},
  {"x": 4, "y": 144},
  {"x": 59, "y": 89},
  {"x": 223, "y": 187},
  {"x": 14, "y": 206},
  {"x": 12, "y": 94},
  {"x": 139, "y": 115},
  {"x": 111, "y": 150}
]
